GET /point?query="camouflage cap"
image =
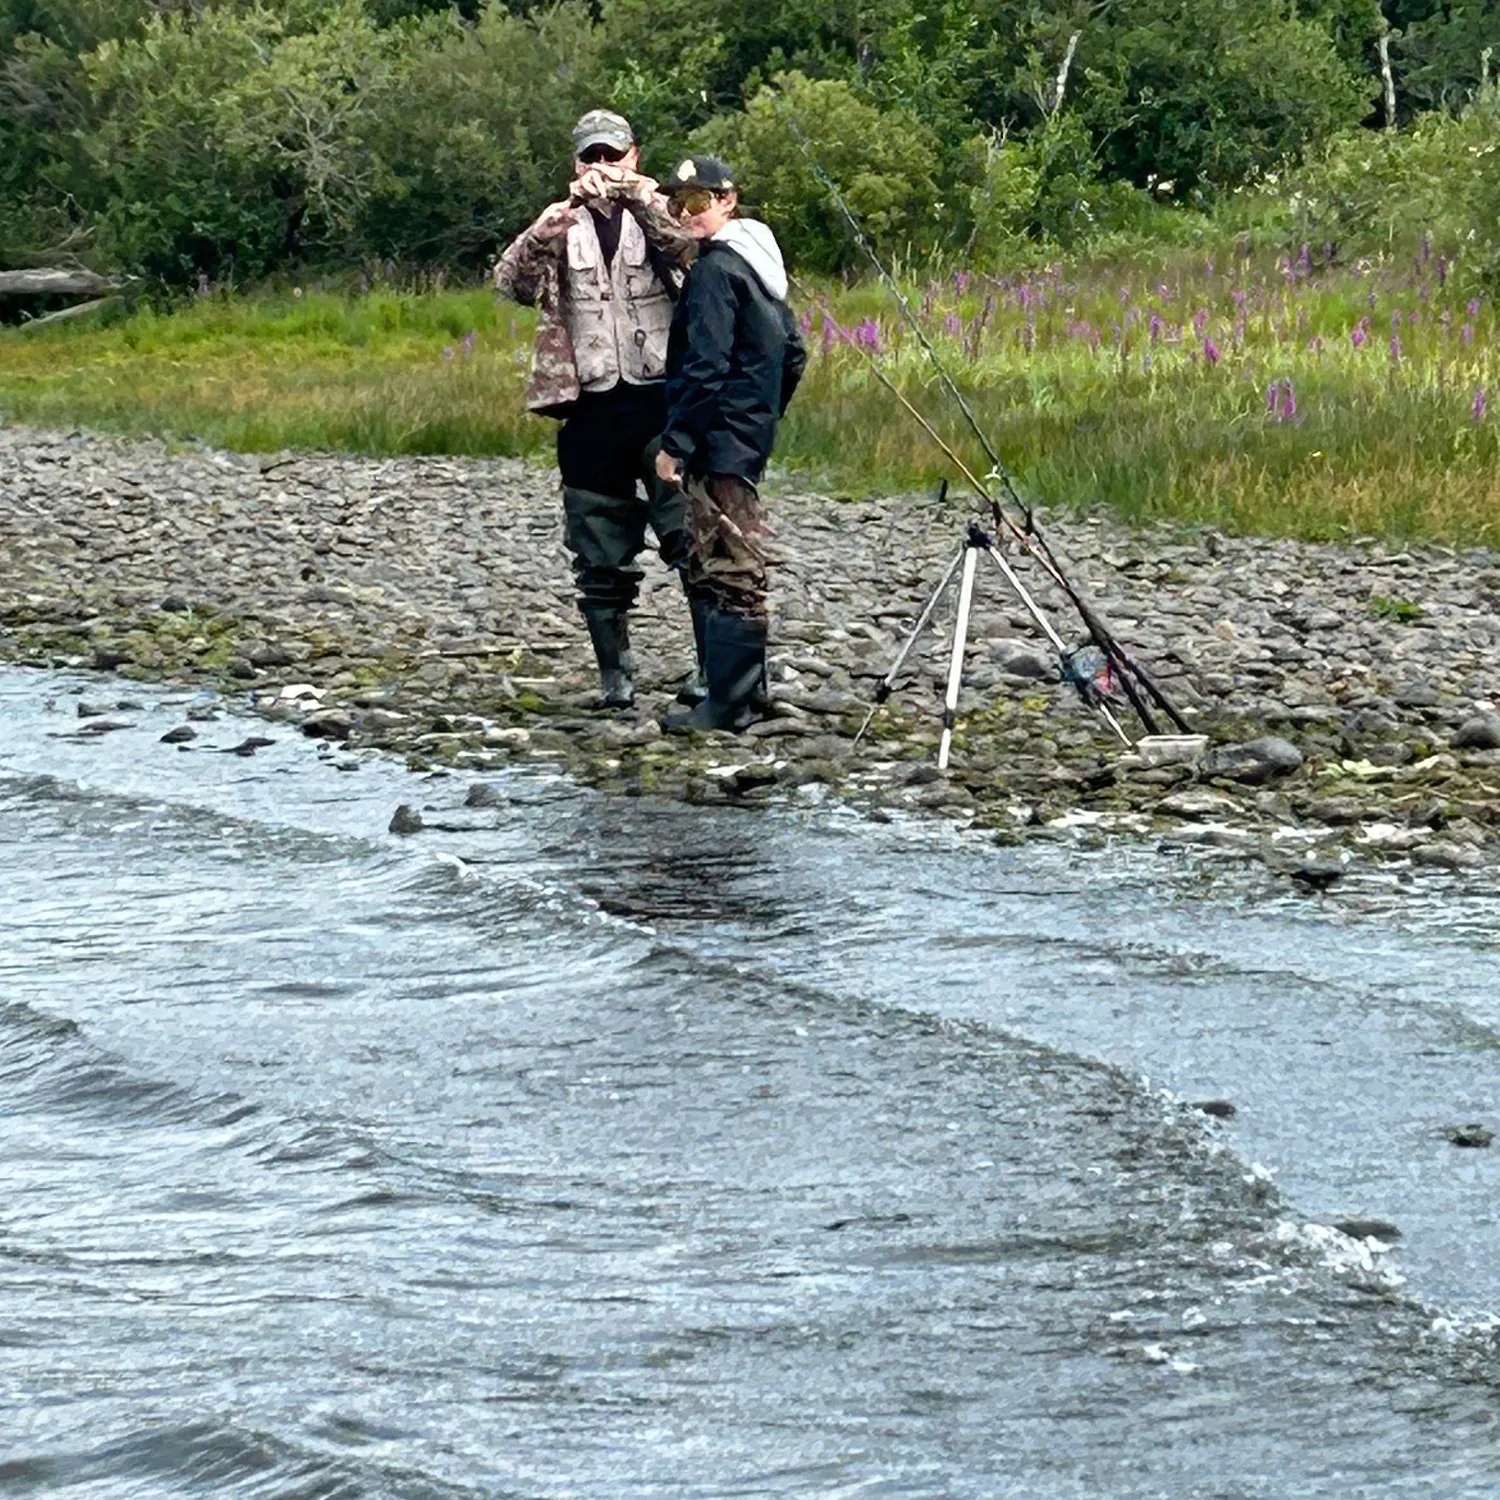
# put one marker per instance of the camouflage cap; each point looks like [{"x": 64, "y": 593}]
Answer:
[{"x": 602, "y": 127}]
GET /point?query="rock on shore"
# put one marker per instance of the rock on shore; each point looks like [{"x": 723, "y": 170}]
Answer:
[{"x": 424, "y": 606}]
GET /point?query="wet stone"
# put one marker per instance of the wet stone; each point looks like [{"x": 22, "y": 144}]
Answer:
[{"x": 405, "y": 820}]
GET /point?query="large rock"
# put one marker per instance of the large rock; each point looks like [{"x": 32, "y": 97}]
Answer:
[
  {"x": 1020, "y": 659},
  {"x": 1482, "y": 732},
  {"x": 1255, "y": 762}
]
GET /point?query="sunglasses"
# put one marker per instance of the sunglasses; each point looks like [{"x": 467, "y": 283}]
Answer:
[
  {"x": 692, "y": 202},
  {"x": 596, "y": 154}
]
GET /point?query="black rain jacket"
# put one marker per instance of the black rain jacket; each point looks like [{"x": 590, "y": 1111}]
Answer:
[{"x": 734, "y": 358}]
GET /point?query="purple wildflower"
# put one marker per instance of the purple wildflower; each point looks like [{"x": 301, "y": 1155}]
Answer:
[
  {"x": 468, "y": 344},
  {"x": 1286, "y": 410},
  {"x": 1200, "y": 320},
  {"x": 1239, "y": 299},
  {"x": 1155, "y": 326},
  {"x": 1395, "y": 348},
  {"x": 1473, "y": 308},
  {"x": 831, "y": 333},
  {"x": 448, "y": 351},
  {"x": 1210, "y": 351},
  {"x": 952, "y": 325},
  {"x": 1272, "y": 394},
  {"x": 868, "y": 336},
  {"x": 1467, "y": 333},
  {"x": 960, "y": 282},
  {"x": 1359, "y": 333},
  {"x": 805, "y": 322},
  {"x": 1480, "y": 406}
]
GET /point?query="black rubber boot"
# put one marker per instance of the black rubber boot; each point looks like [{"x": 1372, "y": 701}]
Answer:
[
  {"x": 735, "y": 659},
  {"x": 610, "y": 632},
  {"x": 695, "y": 688}
]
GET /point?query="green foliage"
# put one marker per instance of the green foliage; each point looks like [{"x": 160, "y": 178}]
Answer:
[
  {"x": 1439, "y": 181},
  {"x": 470, "y": 146},
  {"x": 881, "y": 160},
  {"x": 234, "y": 138},
  {"x": 1437, "y": 49},
  {"x": 1204, "y": 97},
  {"x": 1404, "y": 611}
]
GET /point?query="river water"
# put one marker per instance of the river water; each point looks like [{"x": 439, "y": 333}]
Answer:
[{"x": 604, "y": 1148}]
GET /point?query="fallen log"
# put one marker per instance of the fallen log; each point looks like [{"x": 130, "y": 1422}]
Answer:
[
  {"x": 58, "y": 281},
  {"x": 76, "y": 311}
]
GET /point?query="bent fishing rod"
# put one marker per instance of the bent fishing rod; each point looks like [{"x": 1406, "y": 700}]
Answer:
[{"x": 1125, "y": 667}]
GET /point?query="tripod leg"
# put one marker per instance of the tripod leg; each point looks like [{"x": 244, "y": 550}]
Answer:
[
  {"x": 1045, "y": 625},
  {"x": 956, "y": 664},
  {"x": 1032, "y": 608},
  {"x": 883, "y": 687}
]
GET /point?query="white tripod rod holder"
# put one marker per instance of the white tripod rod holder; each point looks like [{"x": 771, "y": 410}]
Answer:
[{"x": 956, "y": 663}]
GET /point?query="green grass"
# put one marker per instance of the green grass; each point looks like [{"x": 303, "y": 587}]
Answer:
[{"x": 1255, "y": 397}]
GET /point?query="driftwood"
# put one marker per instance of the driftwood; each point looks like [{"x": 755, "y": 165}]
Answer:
[
  {"x": 57, "y": 281},
  {"x": 76, "y": 311}
]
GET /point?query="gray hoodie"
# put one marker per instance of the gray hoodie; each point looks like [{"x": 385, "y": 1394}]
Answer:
[{"x": 754, "y": 243}]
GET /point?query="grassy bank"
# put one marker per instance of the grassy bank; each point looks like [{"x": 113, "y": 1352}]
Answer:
[{"x": 1281, "y": 398}]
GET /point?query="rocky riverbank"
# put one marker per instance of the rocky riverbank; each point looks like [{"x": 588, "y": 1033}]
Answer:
[{"x": 423, "y": 606}]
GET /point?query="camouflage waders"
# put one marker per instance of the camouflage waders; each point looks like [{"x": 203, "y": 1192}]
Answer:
[
  {"x": 726, "y": 563},
  {"x": 727, "y": 582}
]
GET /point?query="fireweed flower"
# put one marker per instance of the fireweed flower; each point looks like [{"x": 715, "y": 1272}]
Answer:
[
  {"x": 960, "y": 282},
  {"x": 1473, "y": 307},
  {"x": 1155, "y": 326},
  {"x": 1210, "y": 351},
  {"x": 805, "y": 322},
  {"x": 1395, "y": 348},
  {"x": 1467, "y": 333},
  {"x": 1480, "y": 406},
  {"x": 831, "y": 333},
  {"x": 1359, "y": 333},
  {"x": 1286, "y": 407},
  {"x": 951, "y": 324}
]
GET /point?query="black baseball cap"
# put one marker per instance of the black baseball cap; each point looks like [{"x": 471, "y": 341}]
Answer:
[{"x": 710, "y": 172}]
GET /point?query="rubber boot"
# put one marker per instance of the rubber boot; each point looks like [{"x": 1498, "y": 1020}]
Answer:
[
  {"x": 695, "y": 688},
  {"x": 735, "y": 659},
  {"x": 609, "y": 630}
]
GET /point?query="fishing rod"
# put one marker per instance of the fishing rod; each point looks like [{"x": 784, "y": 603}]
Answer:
[
  {"x": 1124, "y": 666},
  {"x": 1085, "y": 687}
]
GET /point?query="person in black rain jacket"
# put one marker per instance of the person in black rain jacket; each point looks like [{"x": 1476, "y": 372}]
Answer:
[{"x": 734, "y": 358}]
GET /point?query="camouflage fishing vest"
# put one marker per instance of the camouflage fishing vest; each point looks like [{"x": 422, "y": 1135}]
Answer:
[{"x": 617, "y": 315}]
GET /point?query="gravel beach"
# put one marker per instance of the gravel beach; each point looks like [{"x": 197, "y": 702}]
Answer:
[{"x": 424, "y": 606}]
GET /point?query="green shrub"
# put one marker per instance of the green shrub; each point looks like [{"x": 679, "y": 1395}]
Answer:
[
  {"x": 882, "y": 162},
  {"x": 1439, "y": 181},
  {"x": 477, "y": 138}
]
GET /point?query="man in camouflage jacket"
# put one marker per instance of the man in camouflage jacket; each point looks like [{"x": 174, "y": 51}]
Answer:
[{"x": 604, "y": 268}]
